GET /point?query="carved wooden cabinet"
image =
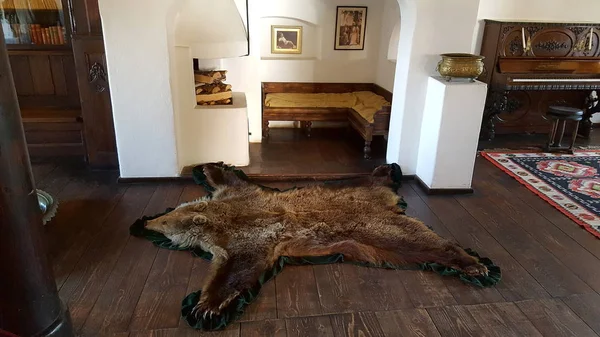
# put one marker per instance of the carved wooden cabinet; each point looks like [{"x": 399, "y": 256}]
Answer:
[
  {"x": 536, "y": 65},
  {"x": 90, "y": 65},
  {"x": 57, "y": 58}
]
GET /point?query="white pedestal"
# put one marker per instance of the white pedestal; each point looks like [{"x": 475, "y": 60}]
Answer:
[{"x": 450, "y": 133}]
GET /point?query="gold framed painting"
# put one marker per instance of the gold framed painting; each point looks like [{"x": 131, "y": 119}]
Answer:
[
  {"x": 350, "y": 27},
  {"x": 286, "y": 39}
]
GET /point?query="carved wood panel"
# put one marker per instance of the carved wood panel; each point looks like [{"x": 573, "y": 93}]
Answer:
[
  {"x": 527, "y": 110},
  {"x": 95, "y": 102},
  {"x": 553, "y": 42},
  {"x": 45, "y": 79},
  {"x": 548, "y": 40}
]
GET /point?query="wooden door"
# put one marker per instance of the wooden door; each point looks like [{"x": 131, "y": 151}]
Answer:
[
  {"x": 92, "y": 78},
  {"x": 96, "y": 109}
]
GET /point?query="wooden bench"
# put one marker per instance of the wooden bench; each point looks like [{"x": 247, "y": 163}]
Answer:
[{"x": 366, "y": 129}]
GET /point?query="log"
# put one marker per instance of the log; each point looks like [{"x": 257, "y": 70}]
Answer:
[
  {"x": 29, "y": 301},
  {"x": 214, "y": 97},
  {"x": 212, "y": 88},
  {"x": 210, "y": 76}
]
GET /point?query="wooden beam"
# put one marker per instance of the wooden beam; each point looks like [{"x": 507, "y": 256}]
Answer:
[{"x": 29, "y": 301}]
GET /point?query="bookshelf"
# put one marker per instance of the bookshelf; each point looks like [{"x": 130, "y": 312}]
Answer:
[{"x": 33, "y": 24}]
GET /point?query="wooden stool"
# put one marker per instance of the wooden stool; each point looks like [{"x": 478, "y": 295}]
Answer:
[{"x": 562, "y": 114}]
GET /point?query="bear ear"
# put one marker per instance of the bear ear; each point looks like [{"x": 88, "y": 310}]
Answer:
[
  {"x": 199, "y": 219},
  {"x": 201, "y": 206}
]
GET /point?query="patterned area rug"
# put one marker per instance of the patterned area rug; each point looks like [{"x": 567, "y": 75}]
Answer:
[{"x": 571, "y": 183}]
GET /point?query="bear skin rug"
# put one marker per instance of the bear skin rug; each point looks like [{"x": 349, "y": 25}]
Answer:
[{"x": 248, "y": 228}]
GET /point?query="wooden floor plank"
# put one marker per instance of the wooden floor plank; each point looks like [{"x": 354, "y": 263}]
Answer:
[
  {"x": 160, "y": 301},
  {"x": 411, "y": 322},
  {"x": 516, "y": 283},
  {"x": 463, "y": 293},
  {"x": 554, "y": 318},
  {"x": 521, "y": 195},
  {"x": 263, "y": 328},
  {"x": 115, "y": 306},
  {"x": 264, "y": 306},
  {"x": 297, "y": 292},
  {"x": 587, "y": 307},
  {"x": 84, "y": 285},
  {"x": 579, "y": 261},
  {"x": 54, "y": 182},
  {"x": 427, "y": 289},
  {"x": 360, "y": 324},
  {"x": 232, "y": 330},
  {"x": 373, "y": 289},
  {"x": 41, "y": 171},
  {"x": 455, "y": 321},
  {"x": 76, "y": 224},
  {"x": 316, "y": 326},
  {"x": 502, "y": 320},
  {"x": 548, "y": 270}
]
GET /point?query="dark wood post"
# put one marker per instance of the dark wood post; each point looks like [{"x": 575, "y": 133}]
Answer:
[{"x": 29, "y": 302}]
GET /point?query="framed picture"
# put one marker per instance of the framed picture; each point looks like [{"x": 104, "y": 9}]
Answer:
[
  {"x": 350, "y": 28},
  {"x": 286, "y": 39}
]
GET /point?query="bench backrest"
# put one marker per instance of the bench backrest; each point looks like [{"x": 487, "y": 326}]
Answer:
[{"x": 306, "y": 87}]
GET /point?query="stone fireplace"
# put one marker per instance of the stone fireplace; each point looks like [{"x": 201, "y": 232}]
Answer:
[{"x": 153, "y": 52}]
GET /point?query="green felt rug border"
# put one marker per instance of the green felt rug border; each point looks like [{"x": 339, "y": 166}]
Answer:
[{"x": 237, "y": 307}]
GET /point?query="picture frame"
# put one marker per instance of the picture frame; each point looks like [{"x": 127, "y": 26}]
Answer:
[
  {"x": 286, "y": 39},
  {"x": 350, "y": 27}
]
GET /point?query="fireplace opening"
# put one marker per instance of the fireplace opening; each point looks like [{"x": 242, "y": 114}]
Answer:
[{"x": 210, "y": 87}]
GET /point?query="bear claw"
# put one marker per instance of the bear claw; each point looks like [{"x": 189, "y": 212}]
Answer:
[{"x": 476, "y": 270}]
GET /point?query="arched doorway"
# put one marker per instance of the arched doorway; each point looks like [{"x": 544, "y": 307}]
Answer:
[{"x": 408, "y": 18}]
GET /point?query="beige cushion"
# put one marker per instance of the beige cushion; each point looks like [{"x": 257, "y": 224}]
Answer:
[
  {"x": 366, "y": 103},
  {"x": 321, "y": 100}
]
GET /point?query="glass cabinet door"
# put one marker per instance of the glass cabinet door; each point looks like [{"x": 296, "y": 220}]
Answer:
[{"x": 33, "y": 22}]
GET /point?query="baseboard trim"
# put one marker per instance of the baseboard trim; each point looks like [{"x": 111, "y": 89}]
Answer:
[
  {"x": 262, "y": 178},
  {"x": 121, "y": 180},
  {"x": 441, "y": 191}
]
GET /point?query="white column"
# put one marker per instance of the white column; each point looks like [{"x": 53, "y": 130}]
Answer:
[{"x": 450, "y": 132}]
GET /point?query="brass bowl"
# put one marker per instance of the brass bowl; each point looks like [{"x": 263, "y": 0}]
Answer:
[{"x": 460, "y": 65}]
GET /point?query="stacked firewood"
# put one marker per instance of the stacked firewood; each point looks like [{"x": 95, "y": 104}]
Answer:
[{"x": 210, "y": 89}]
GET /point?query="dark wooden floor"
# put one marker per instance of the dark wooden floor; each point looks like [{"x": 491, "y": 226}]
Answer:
[
  {"x": 523, "y": 140},
  {"x": 290, "y": 153},
  {"x": 118, "y": 285}
]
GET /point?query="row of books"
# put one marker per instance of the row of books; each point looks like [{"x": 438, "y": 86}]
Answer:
[
  {"x": 36, "y": 34},
  {"x": 31, "y": 4}
]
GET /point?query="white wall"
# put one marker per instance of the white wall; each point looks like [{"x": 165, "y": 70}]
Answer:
[
  {"x": 428, "y": 28},
  {"x": 319, "y": 62},
  {"x": 138, "y": 67},
  {"x": 386, "y": 67}
]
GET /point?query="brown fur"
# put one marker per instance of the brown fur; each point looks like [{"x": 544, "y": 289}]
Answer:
[{"x": 247, "y": 229}]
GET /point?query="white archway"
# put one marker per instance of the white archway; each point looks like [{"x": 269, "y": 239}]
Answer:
[
  {"x": 428, "y": 28},
  {"x": 408, "y": 20}
]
